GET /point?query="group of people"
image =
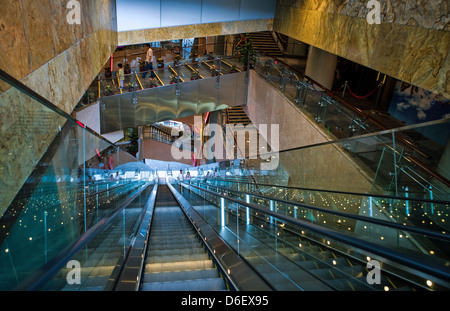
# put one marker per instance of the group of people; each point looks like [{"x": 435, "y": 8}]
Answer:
[
  {"x": 148, "y": 66},
  {"x": 188, "y": 175},
  {"x": 181, "y": 176}
]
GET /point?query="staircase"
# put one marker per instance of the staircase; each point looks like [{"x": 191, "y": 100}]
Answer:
[
  {"x": 176, "y": 259},
  {"x": 265, "y": 42},
  {"x": 236, "y": 115}
]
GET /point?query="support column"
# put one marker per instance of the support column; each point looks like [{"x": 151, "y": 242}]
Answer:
[{"x": 321, "y": 66}]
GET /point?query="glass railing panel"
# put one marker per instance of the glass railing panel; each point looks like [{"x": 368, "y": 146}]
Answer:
[
  {"x": 98, "y": 259},
  {"x": 378, "y": 163},
  {"x": 62, "y": 184},
  {"x": 182, "y": 98},
  {"x": 320, "y": 105},
  {"x": 284, "y": 243},
  {"x": 420, "y": 213}
]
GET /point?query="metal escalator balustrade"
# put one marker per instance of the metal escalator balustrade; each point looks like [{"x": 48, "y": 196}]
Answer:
[{"x": 334, "y": 259}]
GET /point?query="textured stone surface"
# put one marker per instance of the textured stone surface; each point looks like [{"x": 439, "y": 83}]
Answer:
[
  {"x": 431, "y": 14},
  {"x": 193, "y": 31},
  {"x": 55, "y": 59},
  {"x": 412, "y": 43}
]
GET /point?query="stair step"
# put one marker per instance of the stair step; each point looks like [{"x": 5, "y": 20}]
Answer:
[
  {"x": 180, "y": 275},
  {"x": 215, "y": 284},
  {"x": 177, "y": 258},
  {"x": 178, "y": 266}
]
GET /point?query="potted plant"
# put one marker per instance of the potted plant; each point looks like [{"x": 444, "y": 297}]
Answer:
[
  {"x": 127, "y": 68},
  {"x": 108, "y": 73},
  {"x": 214, "y": 71},
  {"x": 142, "y": 66},
  {"x": 246, "y": 51},
  {"x": 133, "y": 147},
  {"x": 160, "y": 62},
  {"x": 131, "y": 87},
  {"x": 173, "y": 79},
  {"x": 108, "y": 90},
  {"x": 153, "y": 83},
  {"x": 195, "y": 75}
]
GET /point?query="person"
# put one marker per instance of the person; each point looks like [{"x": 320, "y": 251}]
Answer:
[
  {"x": 149, "y": 62},
  {"x": 180, "y": 176},
  {"x": 188, "y": 176},
  {"x": 121, "y": 75},
  {"x": 135, "y": 65}
]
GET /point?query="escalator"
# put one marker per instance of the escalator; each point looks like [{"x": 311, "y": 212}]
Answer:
[
  {"x": 176, "y": 259},
  {"x": 290, "y": 256}
]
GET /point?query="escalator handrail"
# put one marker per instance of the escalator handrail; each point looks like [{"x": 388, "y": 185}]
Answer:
[
  {"x": 383, "y": 196},
  {"x": 225, "y": 254},
  {"x": 39, "y": 278},
  {"x": 376, "y": 221},
  {"x": 414, "y": 262},
  {"x": 129, "y": 277}
]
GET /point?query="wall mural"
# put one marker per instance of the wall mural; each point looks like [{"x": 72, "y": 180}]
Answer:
[{"x": 413, "y": 105}]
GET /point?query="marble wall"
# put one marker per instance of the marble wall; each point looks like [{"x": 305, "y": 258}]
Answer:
[
  {"x": 193, "y": 31},
  {"x": 324, "y": 167},
  {"x": 412, "y": 42},
  {"x": 57, "y": 60}
]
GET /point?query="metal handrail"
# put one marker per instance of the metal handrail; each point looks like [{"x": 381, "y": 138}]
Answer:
[
  {"x": 414, "y": 262},
  {"x": 383, "y": 196},
  {"x": 366, "y": 116},
  {"x": 375, "y": 221},
  {"x": 37, "y": 280}
]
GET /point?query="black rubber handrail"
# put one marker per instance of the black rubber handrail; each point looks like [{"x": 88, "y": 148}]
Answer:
[
  {"x": 383, "y": 196},
  {"x": 414, "y": 262},
  {"x": 376, "y": 221}
]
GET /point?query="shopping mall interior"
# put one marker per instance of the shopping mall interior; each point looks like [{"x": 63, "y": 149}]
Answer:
[{"x": 225, "y": 145}]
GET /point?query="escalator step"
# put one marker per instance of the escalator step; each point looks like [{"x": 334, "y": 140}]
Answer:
[
  {"x": 178, "y": 266},
  {"x": 180, "y": 275},
  {"x": 177, "y": 258},
  {"x": 214, "y": 284}
]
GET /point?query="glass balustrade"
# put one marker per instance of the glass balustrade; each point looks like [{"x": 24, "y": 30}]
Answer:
[
  {"x": 378, "y": 163},
  {"x": 310, "y": 245},
  {"x": 175, "y": 91},
  {"x": 58, "y": 179}
]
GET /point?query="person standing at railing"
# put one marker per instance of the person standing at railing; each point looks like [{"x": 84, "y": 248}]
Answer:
[
  {"x": 149, "y": 62},
  {"x": 121, "y": 75}
]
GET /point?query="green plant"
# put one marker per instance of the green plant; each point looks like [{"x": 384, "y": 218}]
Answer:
[
  {"x": 108, "y": 90},
  {"x": 173, "y": 79},
  {"x": 153, "y": 82},
  {"x": 195, "y": 75},
  {"x": 131, "y": 87},
  {"x": 246, "y": 51},
  {"x": 133, "y": 147}
]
